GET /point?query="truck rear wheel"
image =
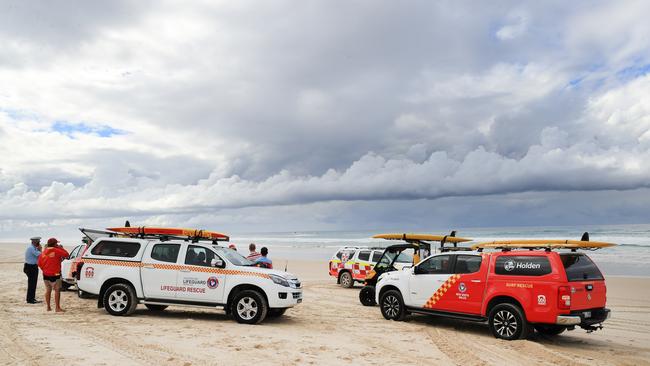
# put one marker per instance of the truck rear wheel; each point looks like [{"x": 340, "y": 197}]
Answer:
[
  {"x": 249, "y": 307},
  {"x": 120, "y": 300},
  {"x": 367, "y": 296},
  {"x": 392, "y": 305},
  {"x": 549, "y": 329},
  {"x": 346, "y": 279},
  {"x": 508, "y": 322}
]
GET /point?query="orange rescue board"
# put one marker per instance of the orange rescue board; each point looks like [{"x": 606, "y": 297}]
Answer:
[{"x": 193, "y": 233}]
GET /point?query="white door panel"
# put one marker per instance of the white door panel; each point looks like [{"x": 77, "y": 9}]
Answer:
[{"x": 159, "y": 273}]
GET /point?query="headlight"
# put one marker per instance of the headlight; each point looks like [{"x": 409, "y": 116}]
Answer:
[{"x": 279, "y": 280}]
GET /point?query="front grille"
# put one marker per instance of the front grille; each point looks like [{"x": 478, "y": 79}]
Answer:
[{"x": 294, "y": 283}]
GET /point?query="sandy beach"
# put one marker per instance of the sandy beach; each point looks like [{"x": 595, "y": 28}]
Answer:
[{"x": 330, "y": 327}]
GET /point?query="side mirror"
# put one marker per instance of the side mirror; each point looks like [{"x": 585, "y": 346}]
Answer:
[{"x": 216, "y": 262}]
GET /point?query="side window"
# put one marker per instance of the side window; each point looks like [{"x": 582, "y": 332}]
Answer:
[
  {"x": 116, "y": 249},
  {"x": 440, "y": 264},
  {"x": 522, "y": 265},
  {"x": 376, "y": 256},
  {"x": 165, "y": 252},
  {"x": 468, "y": 263},
  {"x": 364, "y": 255},
  {"x": 345, "y": 255},
  {"x": 199, "y": 256}
]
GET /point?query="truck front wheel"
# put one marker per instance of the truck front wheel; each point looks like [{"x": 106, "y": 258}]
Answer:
[
  {"x": 392, "y": 305},
  {"x": 120, "y": 300},
  {"x": 248, "y": 307}
]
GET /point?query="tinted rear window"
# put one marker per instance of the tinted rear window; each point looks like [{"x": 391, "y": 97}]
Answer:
[
  {"x": 116, "y": 249},
  {"x": 376, "y": 256},
  {"x": 522, "y": 266},
  {"x": 579, "y": 267},
  {"x": 364, "y": 255}
]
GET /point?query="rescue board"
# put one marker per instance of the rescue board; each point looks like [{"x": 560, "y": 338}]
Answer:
[
  {"x": 423, "y": 237},
  {"x": 190, "y": 233},
  {"x": 543, "y": 243}
]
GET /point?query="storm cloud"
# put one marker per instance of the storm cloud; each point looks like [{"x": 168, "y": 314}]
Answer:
[{"x": 199, "y": 113}]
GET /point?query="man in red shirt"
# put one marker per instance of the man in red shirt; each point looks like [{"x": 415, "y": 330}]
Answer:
[{"x": 50, "y": 263}]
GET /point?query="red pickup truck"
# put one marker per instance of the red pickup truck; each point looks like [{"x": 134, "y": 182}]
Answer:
[{"x": 515, "y": 291}]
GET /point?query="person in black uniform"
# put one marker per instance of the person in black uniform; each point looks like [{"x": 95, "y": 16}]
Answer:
[{"x": 31, "y": 268}]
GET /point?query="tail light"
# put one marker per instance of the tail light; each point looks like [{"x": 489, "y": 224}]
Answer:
[{"x": 564, "y": 297}]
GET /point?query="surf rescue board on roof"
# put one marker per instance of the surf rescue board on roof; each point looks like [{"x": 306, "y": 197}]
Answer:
[
  {"x": 177, "y": 232},
  {"x": 542, "y": 243},
  {"x": 422, "y": 237}
]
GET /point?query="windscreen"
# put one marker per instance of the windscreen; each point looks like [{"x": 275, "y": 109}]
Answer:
[
  {"x": 232, "y": 256},
  {"x": 579, "y": 267},
  {"x": 388, "y": 257}
]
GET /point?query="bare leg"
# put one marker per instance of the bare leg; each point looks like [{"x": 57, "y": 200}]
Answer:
[
  {"x": 48, "y": 295},
  {"x": 57, "y": 297}
]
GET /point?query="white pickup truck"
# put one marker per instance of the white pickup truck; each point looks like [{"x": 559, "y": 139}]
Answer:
[{"x": 124, "y": 272}]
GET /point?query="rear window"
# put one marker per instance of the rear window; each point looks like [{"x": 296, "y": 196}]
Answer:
[
  {"x": 376, "y": 256},
  {"x": 116, "y": 249},
  {"x": 522, "y": 265},
  {"x": 344, "y": 255},
  {"x": 579, "y": 267},
  {"x": 364, "y": 255},
  {"x": 468, "y": 263}
]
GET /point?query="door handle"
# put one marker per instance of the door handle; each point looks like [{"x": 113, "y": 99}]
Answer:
[
  {"x": 476, "y": 281},
  {"x": 185, "y": 270},
  {"x": 148, "y": 266}
]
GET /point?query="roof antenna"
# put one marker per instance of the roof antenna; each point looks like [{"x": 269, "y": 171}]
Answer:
[
  {"x": 585, "y": 237},
  {"x": 286, "y": 264},
  {"x": 127, "y": 224}
]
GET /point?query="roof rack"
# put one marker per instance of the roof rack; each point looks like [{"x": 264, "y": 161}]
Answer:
[
  {"x": 546, "y": 244},
  {"x": 422, "y": 240}
]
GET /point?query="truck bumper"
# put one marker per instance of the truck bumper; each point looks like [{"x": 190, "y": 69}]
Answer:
[
  {"x": 286, "y": 298},
  {"x": 584, "y": 318}
]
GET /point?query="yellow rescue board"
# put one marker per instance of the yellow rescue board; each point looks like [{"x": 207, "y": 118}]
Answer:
[
  {"x": 546, "y": 243},
  {"x": 423, "y": 237}
]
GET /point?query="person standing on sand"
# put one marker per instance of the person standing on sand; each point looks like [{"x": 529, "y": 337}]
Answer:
[
  {"x": 253, "y": 255},
  {"x": 31, "y": 268},
  {"x": 50, "y": 264},
  {"x": 263, "y": 261}
]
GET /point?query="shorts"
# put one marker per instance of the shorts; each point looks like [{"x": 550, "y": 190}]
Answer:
[{"x": 52, "y": 281}]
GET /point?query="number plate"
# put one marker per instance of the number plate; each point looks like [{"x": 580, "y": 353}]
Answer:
[{"x": 587, "y": 314}]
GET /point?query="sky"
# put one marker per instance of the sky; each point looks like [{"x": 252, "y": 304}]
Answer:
[{"x": 248, "y": 116}]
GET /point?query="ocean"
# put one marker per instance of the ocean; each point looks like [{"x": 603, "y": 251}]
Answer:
[{"x": 629, "y": 258}]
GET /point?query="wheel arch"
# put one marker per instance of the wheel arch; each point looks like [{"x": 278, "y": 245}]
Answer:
[
  {"x": 110, "y": 282},
  {"x": 387, "y": 288},
  {"x": 246, "y": 286},
  {"x": 341, "y": 271},
  {"x": 503, "y": 299}
]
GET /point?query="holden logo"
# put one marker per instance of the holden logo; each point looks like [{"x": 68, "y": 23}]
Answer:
[
  {"x": 509, "y": 265},
  {"x": 589, "y": 297},
  {"x": 462, "y": 287}
]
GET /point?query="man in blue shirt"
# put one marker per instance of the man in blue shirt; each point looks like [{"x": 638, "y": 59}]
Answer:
[
  {"x": 31, "y": 268},
  {"x": 263, "y": 261}
]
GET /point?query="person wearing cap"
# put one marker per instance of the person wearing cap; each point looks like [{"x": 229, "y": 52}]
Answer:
[
  {"x": 31, "y": 268},
  {"x": 50, "y": 264}
]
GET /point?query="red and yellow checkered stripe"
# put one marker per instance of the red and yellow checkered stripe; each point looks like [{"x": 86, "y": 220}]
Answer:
[
  {"x": 441, "y": 291},
  {"x": 176, "y": 267}
]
